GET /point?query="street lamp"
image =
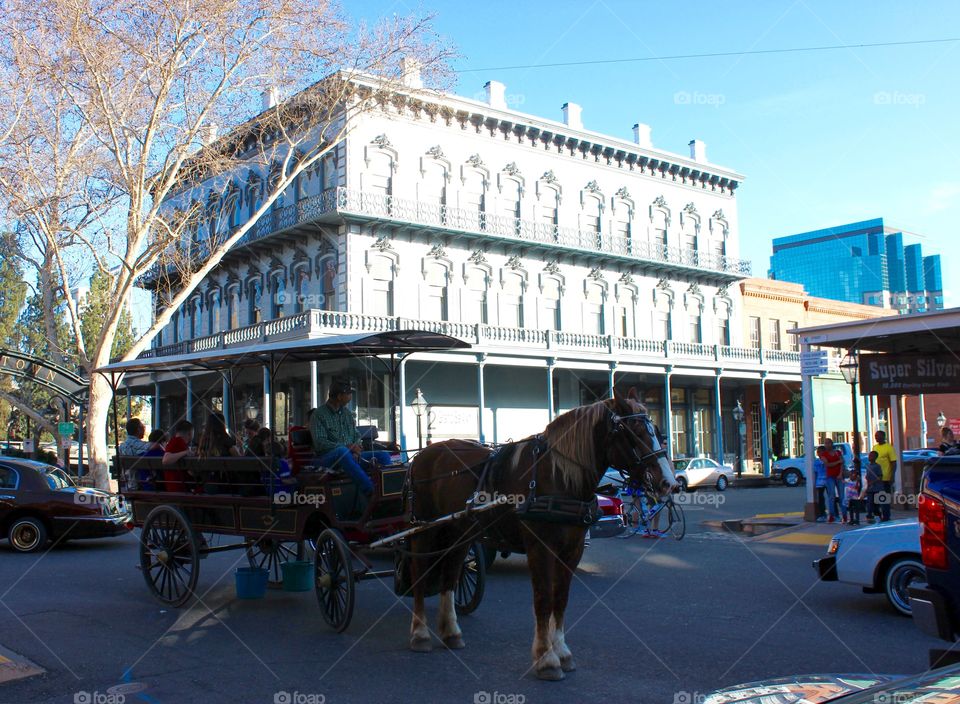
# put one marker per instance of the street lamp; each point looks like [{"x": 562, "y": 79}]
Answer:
[
  {"x": 941, "y": 419},
  {"x": 419, "y": 405},
  {"x": 251, "y": 408},
  {"x": 850, "y": 369},
  {"x": 738, "y": 417}
]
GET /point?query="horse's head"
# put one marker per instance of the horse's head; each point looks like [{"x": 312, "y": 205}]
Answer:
[{"x": 634, "y": 445}]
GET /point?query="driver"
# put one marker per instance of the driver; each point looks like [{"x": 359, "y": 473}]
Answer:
[{"x": 336, "y": 441}]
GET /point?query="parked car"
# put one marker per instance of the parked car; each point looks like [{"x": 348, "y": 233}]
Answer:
[
  {"x": 701, "y": 472},
  {"x": 883, "y": 558},
  {"x": 925, "y": 453},
  {"x": 611, "y": 519},
  {"x": 792, "y": 470},
  {"x": 39, "y": 502},
  {"x": 936, "y": 604},
  {"x": 938, "y": 685}
]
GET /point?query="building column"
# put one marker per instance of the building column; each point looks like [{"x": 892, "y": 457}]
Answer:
[
  {"x": 226, "y": 405},
  {"x": 668, "y": 410},
  {"x": 923, "y": 423},
  {"x": 129, "y": 403},
  {"x": 156, "y": 403},
  {"x": 764, "y": 430},
  {"x": 401, "y": 403},
  {"x": 868, "y": 417},
  {"x": 809, "y": 442},
  {"x": 189, "y": 410},
  {"x": 611, "y": 380},
  {"x": 718, "y": 415},
  {"x": 315, "y": 386},
  {"x": 267, "y": 411},
  {"x": 893, "y": 437},
  {"x": 550, "y": 400},
  {"x": 481, "y": 396}
]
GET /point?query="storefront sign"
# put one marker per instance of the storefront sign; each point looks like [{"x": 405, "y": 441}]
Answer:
[
  {"x": 451, "y": 422},
  {"x": 909, "y": 374}
]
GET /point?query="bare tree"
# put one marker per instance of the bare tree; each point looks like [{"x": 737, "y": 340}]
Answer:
[{"x": 113, "y": 120}]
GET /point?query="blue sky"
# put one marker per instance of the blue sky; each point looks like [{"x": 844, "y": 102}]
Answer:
[{"x": 823, "y": 138}]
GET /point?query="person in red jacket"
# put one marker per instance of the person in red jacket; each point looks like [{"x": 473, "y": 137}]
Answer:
[{"x": 833, "y": 461}]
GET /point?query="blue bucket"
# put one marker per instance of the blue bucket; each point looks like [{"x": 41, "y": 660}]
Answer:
[
  {"x": 297, "y": 575},
  {"x": 251, "y": 582}
]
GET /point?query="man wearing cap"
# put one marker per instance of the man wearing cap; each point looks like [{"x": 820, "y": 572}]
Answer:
[{"x": 336, "y": 440}]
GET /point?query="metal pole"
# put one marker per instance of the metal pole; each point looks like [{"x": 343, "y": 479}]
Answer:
[
  {"x": 668, "y": 410},
  {"x": 481, "y": 396},
  {"x": 893, "y": 437},
  {"x": 764, "y": 429},
  {"x": 156, "y": 403},
  {"x": 189, "y": 413},
  {"x": 129, "y": 403},
  {"x": 315, "y": 385},
  {"x": 611, "y": 378},
  {"x": 809, "y": 442},
  {"x": 550, "y": 399},
  {"x": 923, "y": 422},
  {"x": 225, "y": 404},
  {"x": 856, "y": 426},
  {"x": 401, "y": 402},
  {"x": 267, "y": 399},
  {"x": 718, "y": 416}
]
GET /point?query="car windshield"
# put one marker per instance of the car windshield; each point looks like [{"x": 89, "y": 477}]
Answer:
[{"x": 57, "y": 479}]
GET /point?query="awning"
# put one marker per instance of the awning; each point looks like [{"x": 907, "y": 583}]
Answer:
[{"x": 398, "y": 342}]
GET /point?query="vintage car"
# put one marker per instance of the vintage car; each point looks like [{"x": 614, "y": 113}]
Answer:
[{"x": 39, "y": 503}]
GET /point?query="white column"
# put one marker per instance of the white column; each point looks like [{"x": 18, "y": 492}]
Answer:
[
  {"x": 267, "y": 400},
  {"x": 923, "y": 422},
  {"x": 156, "y": 403},
  {"x": 226, "y": 403},
  {"x": 189, "y": 410},
  {"x": 718, "y": 442},
  {"x": 129, "y": 403},
  {"x": 809, "y": 441},
  {"x": 668, "y": 411},
  {"x": 893, "y": 435},
  {"x": 314, "y": 386},
  {"x": 481, "y": 396},
  {"x": 550, "y": 400},
  {"x": 764, "y": 427},
  {"x": 611, "y": 380},
  {"x": 402, "y": 403}
]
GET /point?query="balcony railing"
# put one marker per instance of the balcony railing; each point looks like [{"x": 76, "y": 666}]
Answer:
[
  {"x": 424, "y": 214},
  {"x": 315, "y": 323}
]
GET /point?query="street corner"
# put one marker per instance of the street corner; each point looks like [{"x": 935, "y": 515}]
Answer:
[{"x": 16, "y": 667}]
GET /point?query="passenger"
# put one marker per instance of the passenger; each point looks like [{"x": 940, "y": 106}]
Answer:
[
  {"x": 133, "y": 445},
  {"x": 263, "y": 444},
  {"x": 154, "y": 449},
  {"x": 215, "y": 441},
  {"x": 177, "y": 448},
  {"x": 336, "y": 440}
]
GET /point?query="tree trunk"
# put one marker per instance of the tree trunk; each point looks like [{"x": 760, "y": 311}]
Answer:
[{"x": 98, "y": 411}]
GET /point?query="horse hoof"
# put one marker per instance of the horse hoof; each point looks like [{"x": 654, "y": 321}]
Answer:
[
  {"x": 552, "y": 674},
  {"x": 453, "y": 642},
  {"x": 568, "y": 664},
  {"x": 421, "y": 645}
]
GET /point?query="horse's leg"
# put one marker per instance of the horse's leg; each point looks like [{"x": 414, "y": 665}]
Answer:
[
  {"x": 447, "y": 627},
  {"x": 545, "y": 660},
  {"x": 570, "y": 554},
  {"x": 420, "y": 641}
]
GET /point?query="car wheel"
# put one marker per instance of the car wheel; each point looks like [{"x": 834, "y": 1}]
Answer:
[
  {"x": 682, "y": 483},
  {"x": 27, "y": 534},
  {"x": 900, "y": 575},
  {"x": 722, "y": 483},
  {"x": 791, "y": 477}
]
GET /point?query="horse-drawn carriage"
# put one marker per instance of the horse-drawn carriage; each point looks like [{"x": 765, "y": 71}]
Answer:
[
  {"x": 276, "y": 516},
  {"x": 534, "y": 496}
]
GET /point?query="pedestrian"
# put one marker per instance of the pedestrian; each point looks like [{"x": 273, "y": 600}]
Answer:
[
  {"x": 833, "y": 461},
  {"x": 820, "y": 473},
  {"x": 948, "y": 444},
  {"x": 872, "y": 485},
  {"x": 887, "y": 459},
  {"x": 854, "y": 491}
]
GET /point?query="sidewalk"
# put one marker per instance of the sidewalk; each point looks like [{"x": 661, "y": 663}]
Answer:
[{"x": 790, "y": 528}]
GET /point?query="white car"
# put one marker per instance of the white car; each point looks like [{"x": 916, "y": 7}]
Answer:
[
  {"x": 702, "y": 472},
  {"x": 883, "y": 558}
]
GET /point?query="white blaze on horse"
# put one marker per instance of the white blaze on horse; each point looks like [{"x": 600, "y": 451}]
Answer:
[{"x": 556, "y": 473}]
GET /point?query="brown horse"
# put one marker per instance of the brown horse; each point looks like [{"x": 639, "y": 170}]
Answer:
[{"x": 545, "y": 486}]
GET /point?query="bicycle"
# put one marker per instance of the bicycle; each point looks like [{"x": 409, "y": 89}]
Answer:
[{"x": 637, "y": 515}]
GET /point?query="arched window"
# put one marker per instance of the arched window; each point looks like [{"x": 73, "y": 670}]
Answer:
[
  {"x": 474, "y": 298},
  {"x": 663, "y": 318},
  {"x": 473, "y": 199},
  {"x": 329, "y": 171},
  {"x": 379, "y": 174},
  {"x": 196, "y": 317},
  {"x": 254, "y": 301},
  {"x": 381, "y": 286},
  {"x": 550, "y": 312},
  {"x": 509, "y": 204},
  {"x": 722, "y": 323},
  {"x": 233, "y": 306},
  {"x": 175, "y": 327},
  {"x": 511, "y": 300},
  {"x": 435, "y": 303},
  {"x": 622, "y": 236},
  {"x": 213, "y": 312},
  {"x": 548, "y": 208},
  {"x": 658, "y": 233},
  {"x": 593, "y": 309},
  {"x": 328, "y": 281},
  {"x": 301, "y": 285},
  {"x": 278, "y": 293},
  {"x": 590, "y": 216},
  {"x": 696, "y": 325},
  {"x": 432, "y": 192}
]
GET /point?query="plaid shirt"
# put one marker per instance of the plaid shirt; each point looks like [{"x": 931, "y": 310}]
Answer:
[
  {"x": 133, "y": 446},
  {"x": 332, "y": 428}
]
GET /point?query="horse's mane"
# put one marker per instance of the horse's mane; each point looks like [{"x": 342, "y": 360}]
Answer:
[{"x": 570, "y": 437}]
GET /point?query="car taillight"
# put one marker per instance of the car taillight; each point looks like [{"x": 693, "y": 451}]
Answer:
[{"x": 933, "y": 536}]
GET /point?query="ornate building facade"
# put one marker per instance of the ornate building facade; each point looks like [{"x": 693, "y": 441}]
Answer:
[{"x": 572, "y": 261}]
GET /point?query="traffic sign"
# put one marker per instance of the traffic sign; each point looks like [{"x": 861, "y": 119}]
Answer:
[{"x": 65, "y": 429}]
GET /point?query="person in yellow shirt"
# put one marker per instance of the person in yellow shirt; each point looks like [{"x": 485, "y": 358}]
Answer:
[{"x": 887, "y": 459}]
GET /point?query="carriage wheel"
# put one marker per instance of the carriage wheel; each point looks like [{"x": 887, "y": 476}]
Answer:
[
  {"x": 169, "y": 556},
  {"x": 473, "y": 577},
  {"x": 333, "y": 579},
  {"x": 270, "y": 554}
]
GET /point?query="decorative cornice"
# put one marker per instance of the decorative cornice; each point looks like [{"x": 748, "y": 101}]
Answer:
[
  {"x": 660, "y": 202},
  {"x": 514, "y": 263},
  {"x": 694, "y": 289},
  {"x": 626, "y": 278},
  {"x": 436, "y": 152},
  {"x": 475, "y": 161},
  {"x": 382, "y": 244},
  {"x": 550, "y": 177},
  {"x": 592, "y": 187},
  {"x": 382, "y": 141},
  {"x": 437, "y": 251},
  {"x": 718, "y": 215},
  {"x": 552, "y": 268},
  {"x": 690, "y": 208},
  {"x": 723, "y": 291},
  {"x": 596, "y": 273},
  {"x": 623, "y": 193},
  {"x": 478, "y": 257},
  {"x": 512, "y": 169},
  {"x": 663, "y": 284}
]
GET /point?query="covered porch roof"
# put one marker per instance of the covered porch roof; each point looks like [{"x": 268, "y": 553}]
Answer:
[{"x": 923, "y": 333}]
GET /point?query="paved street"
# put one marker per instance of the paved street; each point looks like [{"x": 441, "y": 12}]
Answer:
[{"x": 649, "y": 621}]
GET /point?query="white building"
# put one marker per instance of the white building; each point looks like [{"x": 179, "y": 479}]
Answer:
[{"x": 571, "y": 260}]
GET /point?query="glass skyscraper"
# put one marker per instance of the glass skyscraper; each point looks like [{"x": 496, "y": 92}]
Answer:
[{"x": 861, "y": 262}]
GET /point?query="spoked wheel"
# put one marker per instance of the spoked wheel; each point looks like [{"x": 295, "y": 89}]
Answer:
[
  {"x": 473, "y": 577},
  {"x": 333, "y": 579},
  {"x": 169, "y": 556},
  {"x": 270, "y": 554},
  {"x": 678, "y": 524}
]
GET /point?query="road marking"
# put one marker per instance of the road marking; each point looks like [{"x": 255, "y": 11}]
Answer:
[{"x": 799, "y": 538}]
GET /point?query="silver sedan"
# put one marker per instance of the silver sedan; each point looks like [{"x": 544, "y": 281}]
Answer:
[{"x": 702, "y": 472}]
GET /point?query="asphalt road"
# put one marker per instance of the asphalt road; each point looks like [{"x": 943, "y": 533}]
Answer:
[{"x": 648, "y": 621}]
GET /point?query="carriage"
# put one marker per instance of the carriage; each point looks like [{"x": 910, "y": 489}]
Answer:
[{"x": 185, "y": 510}]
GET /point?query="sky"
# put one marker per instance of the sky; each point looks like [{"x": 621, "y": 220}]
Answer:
[{"x": 823, "y": 138}]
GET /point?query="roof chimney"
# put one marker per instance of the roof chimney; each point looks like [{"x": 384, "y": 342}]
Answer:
[
  {"x": 641, "y": 135},
  {"x": 572, "y": 116},
  {"x": 698, "y": 151},
  {"x": 269, "y": 98},
  {"x": 410, "y": 72},
  {"x": 210, "y": 135},
  {"x": 496, "y": 94}
]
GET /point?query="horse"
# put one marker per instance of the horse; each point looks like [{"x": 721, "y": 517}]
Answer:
[{"x": 544, "y": 487}]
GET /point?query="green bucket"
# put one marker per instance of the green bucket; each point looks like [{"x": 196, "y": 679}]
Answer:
[{"x": 297, "y": 575}]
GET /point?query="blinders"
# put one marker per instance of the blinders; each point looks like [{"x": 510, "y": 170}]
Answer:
[{"x": 653, "y": 450}]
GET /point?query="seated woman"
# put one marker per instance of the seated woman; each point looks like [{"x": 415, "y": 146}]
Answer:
[
  {"x": 154, "y": 449},
  {"x": 216, "y": 442},
  {"x": 176, "y": 449}
]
